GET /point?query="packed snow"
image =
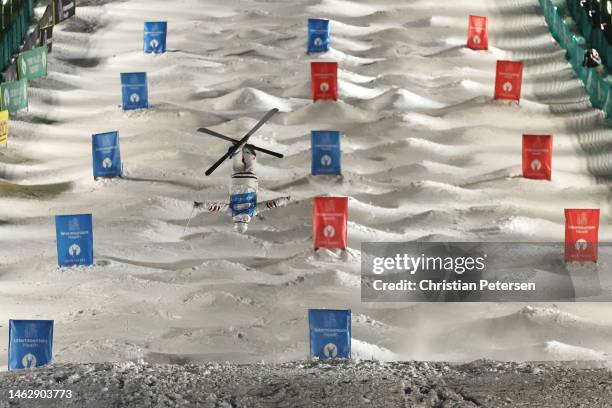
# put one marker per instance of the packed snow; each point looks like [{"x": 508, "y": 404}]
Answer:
[{"x": 427, "y": 154}]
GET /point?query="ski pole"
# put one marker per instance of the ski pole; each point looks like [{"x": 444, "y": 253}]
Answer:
[{"x": 189, "y": 220}]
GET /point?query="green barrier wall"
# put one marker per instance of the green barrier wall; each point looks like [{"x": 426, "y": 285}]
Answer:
[
  {"x": 565, "y": 20},
  {"x": 592, "y": 32},
  {"x": 16, "y": 18}
]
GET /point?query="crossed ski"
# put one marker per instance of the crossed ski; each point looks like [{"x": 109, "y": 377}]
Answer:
[{"x": 242, "y": 143}]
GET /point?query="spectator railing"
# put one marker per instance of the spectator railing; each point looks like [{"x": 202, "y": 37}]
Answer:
[
  {"x": 566, "y": 31},
  {"x": 16, "y": 18}
]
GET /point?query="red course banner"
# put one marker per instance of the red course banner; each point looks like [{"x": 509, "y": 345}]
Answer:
[
  {"x": 508, "y": 80},
  {"x": 324, "y": 79},
  {"x": 581, "y": 235},
  {"x": 478, "y": 35},
  {"x": 329, "y": 222},
  {"x": 537, "y": 156}
]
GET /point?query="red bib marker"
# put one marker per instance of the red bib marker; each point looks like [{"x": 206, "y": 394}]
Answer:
[
  {"x": 329, "y": 222},
  {"x": 537, "y": 156},
  {"x": 508, "y": 80},
  {"x": 478, "y": 35},
  {"x": 324, "y": 79},
  {"x": 581, "y": 235}
]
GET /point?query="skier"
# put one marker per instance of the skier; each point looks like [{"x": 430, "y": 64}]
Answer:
[{"x": 243, "y": 205}]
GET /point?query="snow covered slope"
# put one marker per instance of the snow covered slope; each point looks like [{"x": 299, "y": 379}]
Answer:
[{"x": 427, "y": 155}]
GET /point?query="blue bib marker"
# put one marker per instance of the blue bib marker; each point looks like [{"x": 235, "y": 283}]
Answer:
[
  {"x": 318, "y": 35},
  {"x": 243, "y": 204},
  {"x": 330, "y": 333},
  {"x": 106, "y": 155},
  {"x": 326, "y": 153},
  {"x": 74, "y": 240},
  {"x": 155, "y": 37},
  {"x": 134, "y": 90},
  {"x": 30, "y": 343}
]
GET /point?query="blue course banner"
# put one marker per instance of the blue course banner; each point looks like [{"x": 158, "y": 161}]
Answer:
[
  {"x": 318, "y": 35},
  {"x": 30, "y": 343},
  {"x": 330, "y": 333},
  {"x": 74, "y": 240},
  {"x": 134, "y": 90},
  {"x": 326, "y": 152},
  {"x": 106, "y": 155},
  {"x": 155, "y": 37}
]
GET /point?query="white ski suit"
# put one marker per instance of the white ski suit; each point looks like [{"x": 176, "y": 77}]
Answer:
[{"x": 243, "y": 205}]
